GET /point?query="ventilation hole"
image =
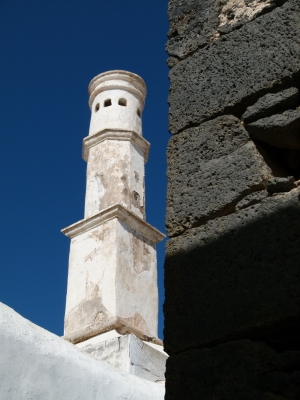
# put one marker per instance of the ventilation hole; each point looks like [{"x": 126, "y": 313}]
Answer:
[
  {"x": 123, "y": 102},
  {"x": 97, "y": 106},
  {"x": 107, "y": 103},
  {"x": 138, "y": 111}
]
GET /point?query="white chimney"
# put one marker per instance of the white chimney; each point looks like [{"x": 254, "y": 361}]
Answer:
[{"x": 112, "y": 280}]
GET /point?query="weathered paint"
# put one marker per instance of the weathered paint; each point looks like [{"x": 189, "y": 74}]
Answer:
[
  {"x": 115, "y": 150},
  {"x": 36, "y": 364},
  {"x": 112, "y": 282},
  {"x": 115, "y": 175}
]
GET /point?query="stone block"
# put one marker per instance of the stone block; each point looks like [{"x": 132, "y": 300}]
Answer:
[
  {"x": 194, "y": 24},
  {"x": 234, "y": 277},
  {"x": 280, "y": 130},
  {"x": 130, "y": 354},
  {"x": 235, "y": 13},
  {"x": 271, "y": 103},
  {"x": 238, "y": 370},
  {"x": 234, "y": 72},
  {"x": 281, "y": 185},
  {"x": 210, "y": 169},
  {"x": 253, "y": 198}
]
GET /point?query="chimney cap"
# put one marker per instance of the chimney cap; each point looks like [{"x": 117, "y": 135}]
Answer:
[{"x": 117, "y": 79}]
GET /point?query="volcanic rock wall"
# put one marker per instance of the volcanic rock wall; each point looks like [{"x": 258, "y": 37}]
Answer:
[{"x": 232, "y": 270}]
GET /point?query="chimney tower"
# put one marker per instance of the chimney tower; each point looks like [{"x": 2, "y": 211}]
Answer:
[{"x": 112, "y": 278}]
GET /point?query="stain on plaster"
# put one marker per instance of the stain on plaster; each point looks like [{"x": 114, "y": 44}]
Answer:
[
  {"x": 142, "y": 258},
  {"x": 92, "y": 290},
  {"x": 92, "y": 254},
  {"x": 132, "y": 323},
  {"x": 136, "y": 176},
  {"x": 86, "y": 314}
]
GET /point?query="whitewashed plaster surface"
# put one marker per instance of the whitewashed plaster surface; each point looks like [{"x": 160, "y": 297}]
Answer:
[
  {"x": 115, "y": 175},
  {"x": 116, "y": 87},
  {"x": 112, "y": 279},
  {"x": 136, "y": 280},
  {"x": 116, "y": 116},
  {"x": 103, "y": 337},
  {"x": 91, "y": 278},
  {"x": 130, "y": 354},
  {"x": 115, "y": 170},
  {"x": 35, "y": 364}
]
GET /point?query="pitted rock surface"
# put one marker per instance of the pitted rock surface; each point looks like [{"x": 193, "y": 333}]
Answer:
[
  {"x": 194, "y": 24},
  {"x": 241, "y": 369},
  {"x": 235, "y": 277},
  {"x": 281, "y": 185},
  {"x": 280, "y": 130},
  {"x": 210, "y": 169},
  {"x": 236, "y": 13},
  {"x": 233, "y": 202},
  {"x": 232, "y": 73},
  {"x": 272, "y": 103},
  {"x": 252, "y": 199}
]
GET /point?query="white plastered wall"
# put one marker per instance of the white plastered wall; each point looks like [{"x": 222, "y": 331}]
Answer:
[{"x": 36, "y": 364}]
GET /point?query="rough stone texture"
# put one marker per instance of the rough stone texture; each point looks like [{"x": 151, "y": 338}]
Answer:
[
  {"x": 271, "y": 103},
  {"x": 236, "y": 13},
  {"x": 195, "y": 23},
  {"x": 252, "y": 199},
  {"x": 35, "y": 364},
  {"x": 280, "y": 130},
  {"x": 281, "y": 185},
  {"x": 234, "y": 72},
  {"x": 232, "y": 268},
  {"x": 192, "y": 25},
  {"x": 238, "y": 370},
  {"x": 210, "y": 169},
  {"x": 236, "y": 276},
  {"x": 130, "y": 354}
]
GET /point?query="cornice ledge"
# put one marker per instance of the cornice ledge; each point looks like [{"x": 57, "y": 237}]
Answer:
[
  {"x": 115, "y": 134},
  {"x": 122, "y": 214},
  {"x": 117, "y": 79},
  {"x": 117, "y": 323}
]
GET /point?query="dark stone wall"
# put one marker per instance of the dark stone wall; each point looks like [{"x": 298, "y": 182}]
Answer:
[{"x": 232, "y": 268}]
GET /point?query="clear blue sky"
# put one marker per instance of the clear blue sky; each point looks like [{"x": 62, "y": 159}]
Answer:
[{"x": 50, "y": 50}]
